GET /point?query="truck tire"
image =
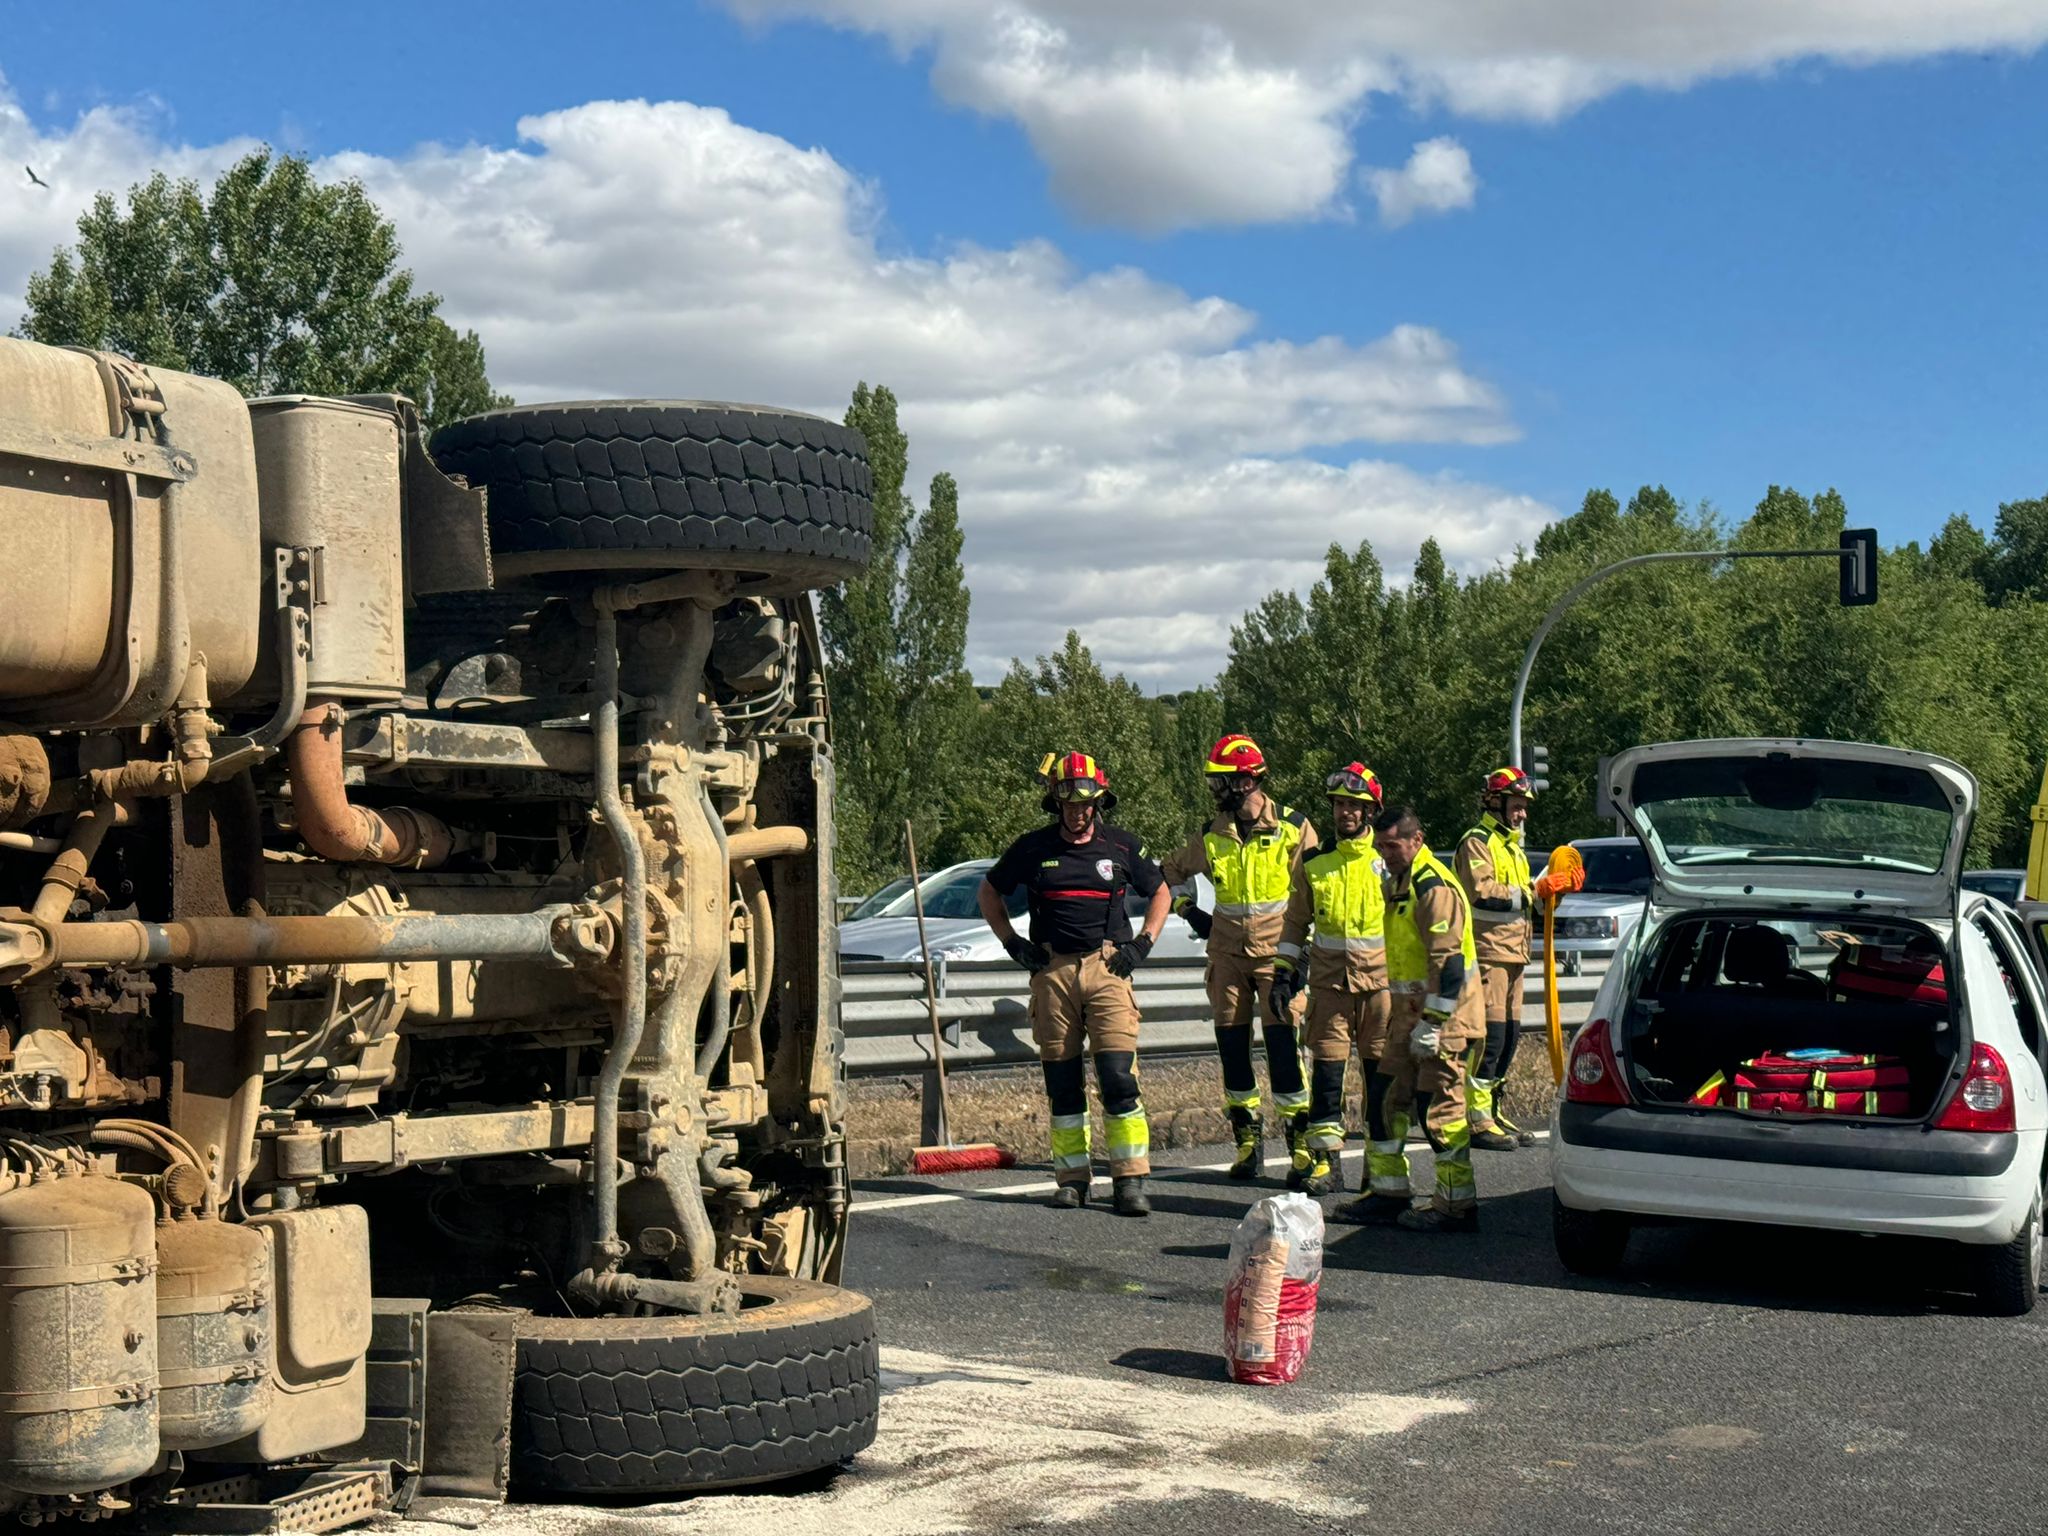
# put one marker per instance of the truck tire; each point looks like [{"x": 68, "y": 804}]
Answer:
[
  {"x": 665, "y": 485},
  {"x": 641, "y": 1405},
  {"x": 1589, "y": 1243}
]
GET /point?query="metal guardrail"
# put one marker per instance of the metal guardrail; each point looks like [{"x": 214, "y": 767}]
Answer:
[{"x": 985, "y": 1018}]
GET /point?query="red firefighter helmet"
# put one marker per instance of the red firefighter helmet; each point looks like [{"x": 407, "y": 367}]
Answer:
[
  {"x": 1074, "y": 776},
  {"x": 1505, "y": 782},
  {"x": 1235, "y": 754},
  {"x": 1355, "y": 781}
]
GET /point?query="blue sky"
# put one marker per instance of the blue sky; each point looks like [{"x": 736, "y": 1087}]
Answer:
[{"x": 1812, "y": 273}]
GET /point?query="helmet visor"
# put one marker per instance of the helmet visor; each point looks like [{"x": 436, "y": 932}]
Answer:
[
  {"x": 1348, "y": 784},
  {"x": 1077, "y": 789}
]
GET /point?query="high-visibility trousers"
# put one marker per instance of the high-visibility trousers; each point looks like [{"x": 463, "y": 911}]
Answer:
[
  {"x": 1240, "y": 987},
  {"x": 1077, "y": 1005},
  {"x": 1440, "y": 1080},
  {"x": 1340, "y": 1023}
]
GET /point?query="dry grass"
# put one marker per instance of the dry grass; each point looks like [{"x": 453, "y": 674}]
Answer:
[{"x": 1183, "y": 1098}]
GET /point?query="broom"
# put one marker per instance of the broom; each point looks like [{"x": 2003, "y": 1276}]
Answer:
[
  {"x": 1567, "y": 869},
  {"x": 949, "y": 1158}
]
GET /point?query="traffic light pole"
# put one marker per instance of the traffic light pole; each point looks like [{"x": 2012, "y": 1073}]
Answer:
[{"x": 1858, "y": 552}]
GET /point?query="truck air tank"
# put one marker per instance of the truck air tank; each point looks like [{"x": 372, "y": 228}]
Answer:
[{"x": 78, "y": 1404}]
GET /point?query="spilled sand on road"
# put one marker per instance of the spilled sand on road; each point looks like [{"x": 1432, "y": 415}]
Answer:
[{"x": 970, "y": 1445}]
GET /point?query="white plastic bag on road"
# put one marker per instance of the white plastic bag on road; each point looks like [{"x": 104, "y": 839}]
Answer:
[{"x": 1269, "y": 1297}]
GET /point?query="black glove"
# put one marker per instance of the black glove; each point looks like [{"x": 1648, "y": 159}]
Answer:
[
  {"x": 1286, "y": 982},
  {"x": 1129, "y": 956},
  {"x": 1027, "y": 954},
  {"x": 1198, "y": 920}
]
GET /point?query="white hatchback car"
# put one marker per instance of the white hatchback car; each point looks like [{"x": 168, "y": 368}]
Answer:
[{"x": 1806, "y": 907}]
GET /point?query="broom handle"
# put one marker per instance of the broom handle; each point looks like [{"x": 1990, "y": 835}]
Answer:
[
  {"x": 1552, "y": 1019},
  {"x": 931, "y": 997}
]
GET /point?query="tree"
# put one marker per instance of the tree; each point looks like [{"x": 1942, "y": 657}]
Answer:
[
  {"x": 1066, "y": 703},
  {"x": 896, "y": 639},
  {"x": 2016, "y": 564},
  {"x": 273, "y": 281},
  {"x": 1960, "y": 551}
]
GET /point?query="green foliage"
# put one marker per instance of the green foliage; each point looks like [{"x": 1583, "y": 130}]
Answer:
[
  {"x": 1416, "y": 678},
  {"x": 273, "y": 281},
  {"x": 896, "y": 640},
  {"x": 2016, "y": 562}
]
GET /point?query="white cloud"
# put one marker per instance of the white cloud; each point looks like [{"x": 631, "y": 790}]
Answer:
[
  {"x": 1438, "y": 178},
  {"x": 108, "y": 147},
  {"x": 1132, "y": 461},
  {"x": 1156, "y": 115}
]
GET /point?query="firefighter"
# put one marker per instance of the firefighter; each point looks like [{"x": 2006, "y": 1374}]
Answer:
[
  {"x": 1437, "y": 1033},
  {"x": 1080, "y": 954},
  {"x": 1337, "y": 895},
  {"x": 1250, "y": 852},
  {"x": 1493, "y": 869}
]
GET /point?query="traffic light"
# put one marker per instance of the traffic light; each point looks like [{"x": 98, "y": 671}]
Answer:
[
  {"x": 1538, "y": 768},
  {"x": 1859, "y": 567}
]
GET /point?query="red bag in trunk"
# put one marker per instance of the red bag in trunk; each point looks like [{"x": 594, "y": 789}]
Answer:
[
  {"x": 1893, "y": 973},
  {"x": 1823, "y": 1102},
  {"x": 1775, "y": 1073},
  {"x": 1813, "y": 1083}
]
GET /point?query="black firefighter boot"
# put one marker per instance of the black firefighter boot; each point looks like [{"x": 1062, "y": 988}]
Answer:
[
  {"x": 1251, "y": 1144},
  {"x": 1069, "y": 1197},
  {"x": 1325, "y": 1175},
  {"x": 1503, "y": 1124},
  {"x": 1294, "y": 1127},
  {"x": 1129, "y": 1196}
]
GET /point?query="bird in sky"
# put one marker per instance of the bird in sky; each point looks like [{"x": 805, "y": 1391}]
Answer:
[{"x": 32, "y": 176}]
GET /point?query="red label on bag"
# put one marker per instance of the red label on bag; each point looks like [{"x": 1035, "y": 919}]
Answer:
[{"x": 1294, "y": 1330}]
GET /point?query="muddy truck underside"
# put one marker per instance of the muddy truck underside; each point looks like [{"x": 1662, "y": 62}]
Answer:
[{"x": 419, "y": 1058}]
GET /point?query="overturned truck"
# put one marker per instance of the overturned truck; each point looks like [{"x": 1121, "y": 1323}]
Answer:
[{"x": 419, "y": 1059}]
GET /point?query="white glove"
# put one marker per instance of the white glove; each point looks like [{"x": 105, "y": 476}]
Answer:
[{"x": 1426, "y": 1037}]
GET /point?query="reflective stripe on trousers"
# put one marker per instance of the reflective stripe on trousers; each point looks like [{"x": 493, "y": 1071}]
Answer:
[
  {"x": 1386, "y": 1162},
  {"x": 1479, "y": 1101},
  {"x": 1455, "y": 1188},
  {"x": 1070, "y": 1145},
  {"x": 1127, "y": 1143}
]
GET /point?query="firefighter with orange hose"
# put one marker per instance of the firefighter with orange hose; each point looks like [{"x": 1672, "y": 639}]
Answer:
[
  {"x": 1251, "y": 851},
  {"x": 1493, "y": 868}
]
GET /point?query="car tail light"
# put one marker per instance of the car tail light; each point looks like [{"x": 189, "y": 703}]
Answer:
[
  {"x": 1984, "y": 1101},
  {"x": 1593, "y": 1076}
]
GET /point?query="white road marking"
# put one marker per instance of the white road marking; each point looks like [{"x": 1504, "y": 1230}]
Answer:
[{"x": 1047, "y": 1186}]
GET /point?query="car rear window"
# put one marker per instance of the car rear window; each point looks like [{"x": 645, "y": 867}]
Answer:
[{"x": 1795, "y": 810}]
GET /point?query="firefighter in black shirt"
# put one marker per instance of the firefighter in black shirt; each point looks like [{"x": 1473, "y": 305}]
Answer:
[{"x": 1080, "y": 955}]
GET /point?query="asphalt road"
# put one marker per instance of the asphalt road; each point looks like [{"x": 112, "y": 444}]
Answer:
[{"x": 1062, "y": 1370}]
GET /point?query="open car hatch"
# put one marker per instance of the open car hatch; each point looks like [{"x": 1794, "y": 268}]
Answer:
[{"x": 1798, "y": 822}]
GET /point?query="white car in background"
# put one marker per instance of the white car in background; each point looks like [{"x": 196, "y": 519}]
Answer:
[
  {"x": 1806, "y": 895},
  {"x": 953, "y": 925},
  {"x": 1591, "y": 922}
]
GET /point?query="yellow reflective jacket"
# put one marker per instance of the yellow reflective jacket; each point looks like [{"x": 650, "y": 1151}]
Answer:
[
  {"x": 1429, "y": 941},
  {"x": 1493, "y": 869},
  {"x": 1339, "y": 898},
  {"x": 1252, "y": 866}
]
